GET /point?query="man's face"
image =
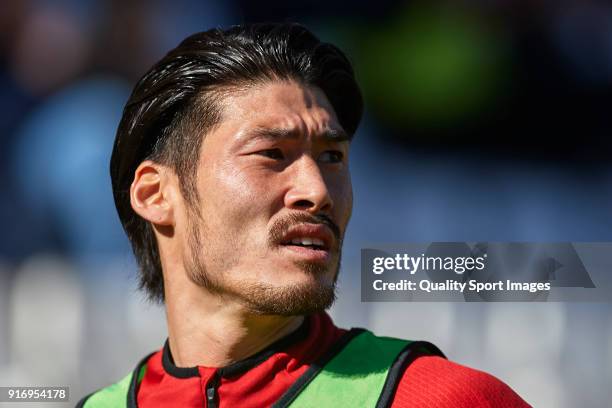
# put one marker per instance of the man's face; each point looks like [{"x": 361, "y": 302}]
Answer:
[{"x": 275, "y": 198}]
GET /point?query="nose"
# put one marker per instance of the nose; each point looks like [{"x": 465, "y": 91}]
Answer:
[{"x": 308, "y": 190}]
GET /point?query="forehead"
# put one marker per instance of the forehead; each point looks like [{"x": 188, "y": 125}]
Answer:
[{"x": 285, "y": 105}]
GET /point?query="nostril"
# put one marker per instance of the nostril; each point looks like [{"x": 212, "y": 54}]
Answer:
[{"x": 303, "y": 204}]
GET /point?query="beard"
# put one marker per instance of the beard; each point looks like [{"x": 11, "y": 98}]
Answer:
[{"x": 315, "y": 295}]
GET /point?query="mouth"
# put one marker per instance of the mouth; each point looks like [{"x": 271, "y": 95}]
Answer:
[
  {"x": 311, "y": 242},
  {"x": 306, "y": 242}
]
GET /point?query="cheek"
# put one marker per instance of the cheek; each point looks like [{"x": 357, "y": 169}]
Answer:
[
  {"x": 341, "y": 191},
  {"x": 236, "y": 198}
]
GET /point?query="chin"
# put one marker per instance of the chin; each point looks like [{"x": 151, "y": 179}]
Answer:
[{"x": 301, "y": 297}]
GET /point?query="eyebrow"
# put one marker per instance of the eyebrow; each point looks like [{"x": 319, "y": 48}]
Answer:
[{"x": 329, "y": 135}]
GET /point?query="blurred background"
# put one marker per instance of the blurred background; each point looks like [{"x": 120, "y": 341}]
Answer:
[{"x": 485, "y": 121}]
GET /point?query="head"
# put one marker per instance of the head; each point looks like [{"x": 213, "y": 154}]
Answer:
[{"x": 231, "y": 160}]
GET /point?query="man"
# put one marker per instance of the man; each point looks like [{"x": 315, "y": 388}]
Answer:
[{"x": 230, "y": 175}]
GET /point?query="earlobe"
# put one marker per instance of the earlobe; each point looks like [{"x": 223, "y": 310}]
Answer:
[{"x": 147, "y": 194}]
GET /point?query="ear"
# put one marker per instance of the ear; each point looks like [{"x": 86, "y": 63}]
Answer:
[{"x": 150, "y": 193}]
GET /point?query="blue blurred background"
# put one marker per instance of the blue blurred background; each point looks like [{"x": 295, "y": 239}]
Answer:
[{"x": 485, "y": 121}]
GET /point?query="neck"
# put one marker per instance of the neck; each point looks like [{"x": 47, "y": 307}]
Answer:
[{"x": 205, "y": 330}]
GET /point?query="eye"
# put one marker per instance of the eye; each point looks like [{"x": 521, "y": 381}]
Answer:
[
  {"x": 275, "y": 154},
  {"x": 331, "y": 156}
]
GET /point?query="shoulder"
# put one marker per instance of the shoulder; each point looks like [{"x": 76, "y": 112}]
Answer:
[
  {"x": 436, "y": 382},
  {"x": 120, "y": 394},
  {"x": 115, "y": 395}
]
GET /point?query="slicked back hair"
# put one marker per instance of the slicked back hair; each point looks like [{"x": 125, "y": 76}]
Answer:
[{"x": 174, "y": 105}]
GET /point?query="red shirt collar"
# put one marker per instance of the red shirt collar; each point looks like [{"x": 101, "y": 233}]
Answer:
[{"x": 257, "y": 381}]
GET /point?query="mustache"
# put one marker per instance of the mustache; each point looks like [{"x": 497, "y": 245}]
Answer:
[{"x": 282, "y": 226}]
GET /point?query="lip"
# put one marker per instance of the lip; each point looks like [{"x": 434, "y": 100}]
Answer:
[
  {"x": 318, "y": 231},
  {"x": 308, "y": 254}
]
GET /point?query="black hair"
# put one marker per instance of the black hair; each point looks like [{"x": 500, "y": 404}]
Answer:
[{"x": 173, "y": 106}]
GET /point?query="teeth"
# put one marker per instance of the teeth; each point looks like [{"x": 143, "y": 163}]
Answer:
[{"x": 307, "y": 241}]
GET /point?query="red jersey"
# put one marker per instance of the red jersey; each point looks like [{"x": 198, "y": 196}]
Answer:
[{"x": 261, "y": 380}]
